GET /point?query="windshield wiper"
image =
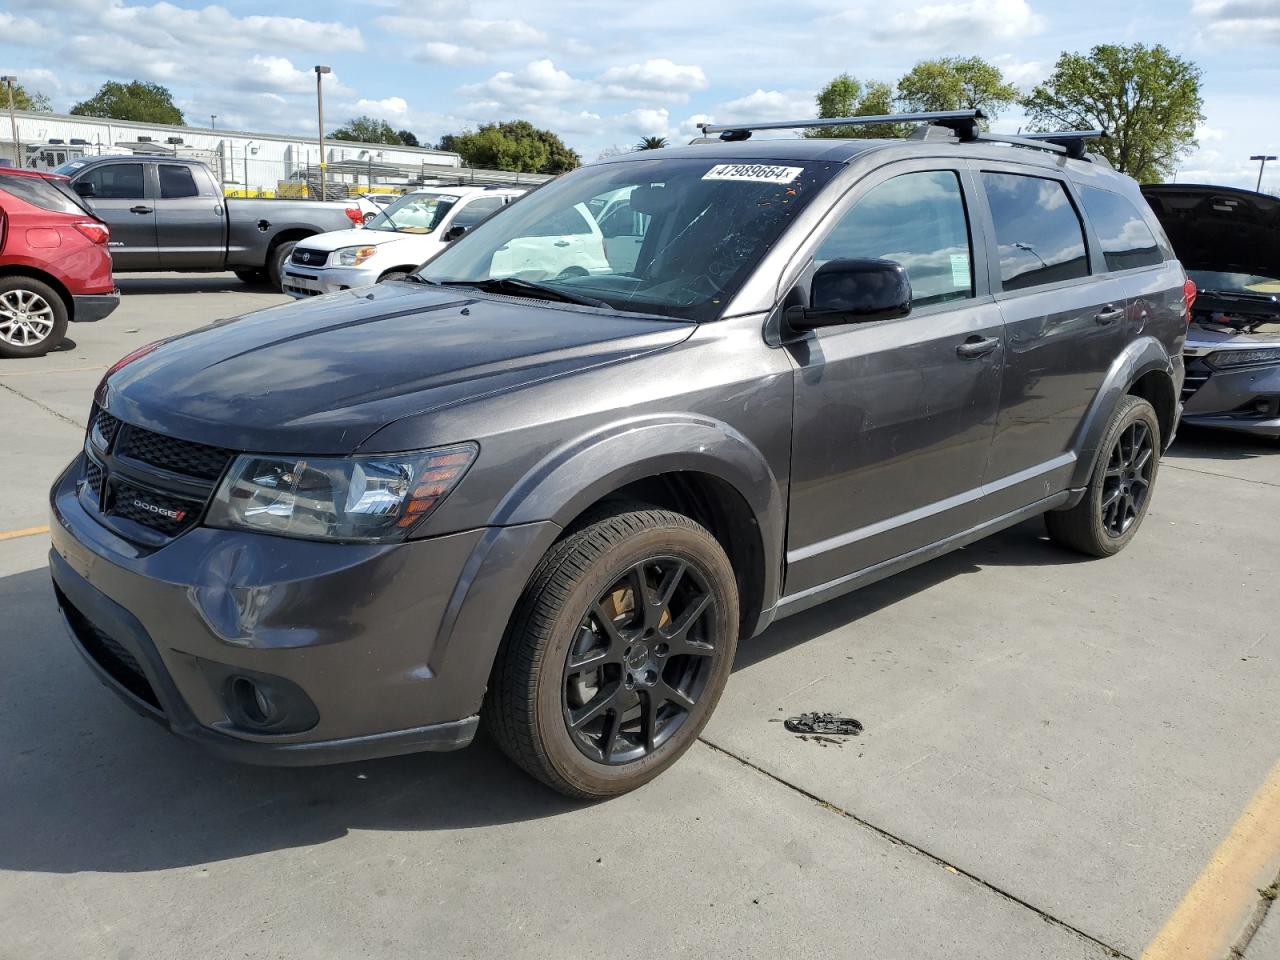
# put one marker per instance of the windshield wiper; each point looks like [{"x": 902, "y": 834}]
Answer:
[
  {"x": 1249, "y": 295},
  {"x": 515, "y": 287}
]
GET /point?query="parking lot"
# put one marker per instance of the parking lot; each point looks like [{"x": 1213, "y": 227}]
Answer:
[{"x": 1062, "y": 758}]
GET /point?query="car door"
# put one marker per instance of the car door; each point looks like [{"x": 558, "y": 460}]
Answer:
[
  {"x": 1065, "y": 323},
  {"x": 122, "y": 194},
  {"x": 623, "y": 230},
  {"x": 893, "y": 419},
  {"x": 190, "y": 219}
]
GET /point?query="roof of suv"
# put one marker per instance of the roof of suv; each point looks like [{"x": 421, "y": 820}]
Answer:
[{"x": 38, "y": 174}]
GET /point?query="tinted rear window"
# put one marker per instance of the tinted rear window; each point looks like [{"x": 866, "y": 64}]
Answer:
[
  {"x": 176, "y": 183},
  {"x": 1038, "y": 230},
  {"x": 44, "y": 194},
  {"x": 1126, "y": 239}
]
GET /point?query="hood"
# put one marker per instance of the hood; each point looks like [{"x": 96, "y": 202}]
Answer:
[
  {"x": 357, "y": 237},
  {"x": 1219, "y": 228},
  {"x": 320, "y": 376}
]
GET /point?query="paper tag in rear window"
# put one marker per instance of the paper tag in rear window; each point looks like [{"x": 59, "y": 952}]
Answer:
[{"x": 753, "y": 172}]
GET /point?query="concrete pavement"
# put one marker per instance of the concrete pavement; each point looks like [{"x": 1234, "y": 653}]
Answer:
[{"x": 1053, "y": 750}]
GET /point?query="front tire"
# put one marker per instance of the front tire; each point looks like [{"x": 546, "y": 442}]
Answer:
[
  {"x": 276, "y": 260},
  {"x": 617, "y": 653},
  {"x": 33, "y": 318},
  {"x": 393, "y": 275},
  {"x": 1119, "y": 491}
]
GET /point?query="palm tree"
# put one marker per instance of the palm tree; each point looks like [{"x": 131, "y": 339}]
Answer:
[{"x": 651, "y": 143}]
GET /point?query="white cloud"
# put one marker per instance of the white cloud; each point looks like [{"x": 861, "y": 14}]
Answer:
[
  {"x": 643, "y": 122},
  {"x": 498, "y": 34},
  {"x": 390, "y": 108},
  {"x": 940, "y": 24},
  {"x": 658, "y": 79},
  {"x": 540, "y": 81},
  {"x": 452, "y": 54},
  {"x": 22, "y": 30},
  {"x": 768, "y": 105},
  {"x": 1241, "y": 21},
  {"x": 1022, "y": 73},
  {"x": 279, "y": 75}
]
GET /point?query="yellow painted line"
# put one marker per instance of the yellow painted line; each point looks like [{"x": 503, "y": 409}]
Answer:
[
  {"x": 1217, "y": 907},
  {"x": 26, "y": 532}
]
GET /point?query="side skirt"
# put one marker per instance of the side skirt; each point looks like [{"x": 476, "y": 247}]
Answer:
[{"x": 796, "y": 602}]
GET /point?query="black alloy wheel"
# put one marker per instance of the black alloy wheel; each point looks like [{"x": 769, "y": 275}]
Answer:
[
  {"x": 640, "y": 661},
  {"x": 1127, "y": 480}
]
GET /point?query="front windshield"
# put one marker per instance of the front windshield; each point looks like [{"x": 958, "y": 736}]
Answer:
[
  {"x": 669, "y": 236},
  {"x": 1220, "y": 282},
  {"x": 70, "y": 167},
  {"x": 414, "y": 213}
]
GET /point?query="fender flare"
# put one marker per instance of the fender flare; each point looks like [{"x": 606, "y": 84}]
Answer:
[{"x": 1142, "y": 356}]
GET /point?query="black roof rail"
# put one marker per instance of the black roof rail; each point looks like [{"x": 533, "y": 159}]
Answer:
[
  {"x": 964, "y": 123},
  {"x": 1071, "y": 141}
]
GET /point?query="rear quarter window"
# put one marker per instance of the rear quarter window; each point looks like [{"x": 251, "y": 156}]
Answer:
[
  {"x": 1126, "y": 240},
  {"x": 40, "y": 193}
]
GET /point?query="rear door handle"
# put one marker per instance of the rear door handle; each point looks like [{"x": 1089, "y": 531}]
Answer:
[
  {"x": 976, "y": 347},
  {"x": 139, "y": 209},
  {"x": 1109, "y": 314},
  {"x": 562, "y": 243}
]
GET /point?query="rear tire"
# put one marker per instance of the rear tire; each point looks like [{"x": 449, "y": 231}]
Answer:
[
  {"x": 1119, "y": 491},
  {"x": 276, "y": 260},
  {"x": 33, "y": 318},
  {"x": 617, "y": 652}
]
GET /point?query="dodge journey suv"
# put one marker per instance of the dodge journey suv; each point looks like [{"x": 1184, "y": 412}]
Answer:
[{"x": 552, "y": 501}]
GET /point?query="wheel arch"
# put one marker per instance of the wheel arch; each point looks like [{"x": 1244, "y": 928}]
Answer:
[
  {"x": 34, "y": 273},
  {"x": 1143, "y": 369}
]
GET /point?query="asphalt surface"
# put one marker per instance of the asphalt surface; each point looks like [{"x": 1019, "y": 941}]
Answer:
[{"x": 1054, "y": 749}]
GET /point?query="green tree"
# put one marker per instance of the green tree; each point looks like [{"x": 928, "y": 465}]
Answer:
[
  {"x": 22, "y": 100},
  {"x": 651, "y": 143},
  {"x": 1146, "y": 98},
  {"x": 146, "y": 102},
  {"x": 408, "y": 138},
  {"x": 514, "y": 145},
  {"x": 956, "y": 83},
  {"x": 367, "y": 130},
  {"x": 846, "y": 96}
]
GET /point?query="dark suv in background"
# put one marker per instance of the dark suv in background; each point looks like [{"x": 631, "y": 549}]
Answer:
[{"x": 554, "y": 499}]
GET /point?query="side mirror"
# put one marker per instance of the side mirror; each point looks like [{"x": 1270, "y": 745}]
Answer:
[
  {"x": 85, "y": 188},
  {"x": 453, "y": 233},
  {"x": 854, "y": 291}
]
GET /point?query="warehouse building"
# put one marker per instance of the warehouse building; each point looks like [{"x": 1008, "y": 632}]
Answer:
[{"x": 249, "y": 164}]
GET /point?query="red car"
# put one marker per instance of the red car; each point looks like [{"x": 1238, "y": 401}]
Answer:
[{"x": 55, "y": 265}]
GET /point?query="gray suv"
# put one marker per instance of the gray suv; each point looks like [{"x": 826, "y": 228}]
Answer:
[{"x": 553, "y": 499}]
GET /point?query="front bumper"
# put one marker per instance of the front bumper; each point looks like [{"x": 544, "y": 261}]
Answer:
[
  {"x": 89, "y": 308},
  {"x": 301, "y": 282},
  {"x": 386, "y": 647},
  {"x": 1246, "y": 400}
]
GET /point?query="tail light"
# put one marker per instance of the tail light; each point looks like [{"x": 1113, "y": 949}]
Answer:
[
  {"x": 1189, "y": 295},
  {"x": 355, "y": 216},
  {"x": 95, "y": 232}
]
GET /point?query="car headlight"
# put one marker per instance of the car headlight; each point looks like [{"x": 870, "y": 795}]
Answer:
[
  {"x": 1226, "y": 359},
  {"x": 354, "y": 256},
  {"x": 375, "y": 498}
]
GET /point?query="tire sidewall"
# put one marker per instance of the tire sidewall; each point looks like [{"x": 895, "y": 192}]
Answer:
[
  {"x": 279, "y": 257},
  {"x": 581, "y": 772},
  {"x": 60, "y": 318},
  {"x": 1135, "y": 410}
]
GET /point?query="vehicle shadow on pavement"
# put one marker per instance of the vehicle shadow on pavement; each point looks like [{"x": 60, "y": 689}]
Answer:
[
  {"x": 189, "y": 283},
  {"x": 1200, "y": 443}
]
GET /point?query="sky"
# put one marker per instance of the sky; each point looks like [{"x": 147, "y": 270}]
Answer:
[{"x": 605, "y": 73}]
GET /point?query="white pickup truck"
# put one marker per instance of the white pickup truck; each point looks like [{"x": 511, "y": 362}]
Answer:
[{"x": 420, "y": 225}]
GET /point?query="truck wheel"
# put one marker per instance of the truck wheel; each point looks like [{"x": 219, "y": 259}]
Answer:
[
  {"x": 33, "y": 318},
  {"x": 252, "y": 277},
  {"x": 276, "y": 260},
  {"x": 1119, "y": 491},
  {"x": 617, "y": 652}
]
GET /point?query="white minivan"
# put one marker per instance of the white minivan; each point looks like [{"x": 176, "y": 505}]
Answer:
[{"x": 419, "y": 225}]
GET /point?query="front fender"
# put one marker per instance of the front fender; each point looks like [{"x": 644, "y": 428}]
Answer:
[{"x": 1142, "y": 356}]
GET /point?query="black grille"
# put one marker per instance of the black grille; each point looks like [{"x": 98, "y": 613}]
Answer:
[
  {"x": 108, "y": 426},
  {"x": 180, "y": 456},
  {"x": 121, "y": 665},
  {"x": 170, "y": 515},
  {"x": 93, "y": 477},
  {"x": 309, "y": 258}
]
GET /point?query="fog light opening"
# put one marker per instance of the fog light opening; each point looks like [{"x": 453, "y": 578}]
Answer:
[{"x": 253, "y": 702}]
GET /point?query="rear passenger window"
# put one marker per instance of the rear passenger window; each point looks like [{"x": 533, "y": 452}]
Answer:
[
  {"x": 477, "y": 210},
  {"x": 1037, "y": 229},
  {"x": 917, "y": 220},
  {"x": 1126, "y": 239},
  {"x": 176, "y": 182},
  {"x": 568, "y": 222}
]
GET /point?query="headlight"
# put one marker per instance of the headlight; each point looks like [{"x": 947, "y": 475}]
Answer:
[
  {"x": 354, "y": 256},
  {"x": 1225, "y": 359},
  {"x": 377, "y": 498}
]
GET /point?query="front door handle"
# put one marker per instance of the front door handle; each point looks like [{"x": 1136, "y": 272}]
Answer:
[
  {"x": 139, "y": 209},
  {"x": 1109, "y": 314},
  {"x": 976, "y": 347},
  {"x": 562, "y": 243}
]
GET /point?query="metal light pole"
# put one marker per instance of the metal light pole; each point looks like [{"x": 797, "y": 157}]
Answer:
[
  {"x": 13, "y": 122},
  {"x": 1262, "y": 165},
  {"x": 213, "y": 121},
  {"x": 320, "y": 72}
]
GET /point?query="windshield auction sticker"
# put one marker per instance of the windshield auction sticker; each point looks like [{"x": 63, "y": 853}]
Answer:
[{"x": 753, "y": 172}]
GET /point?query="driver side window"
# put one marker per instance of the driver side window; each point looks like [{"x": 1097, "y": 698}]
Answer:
[{"x": 917, "y": 220}]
